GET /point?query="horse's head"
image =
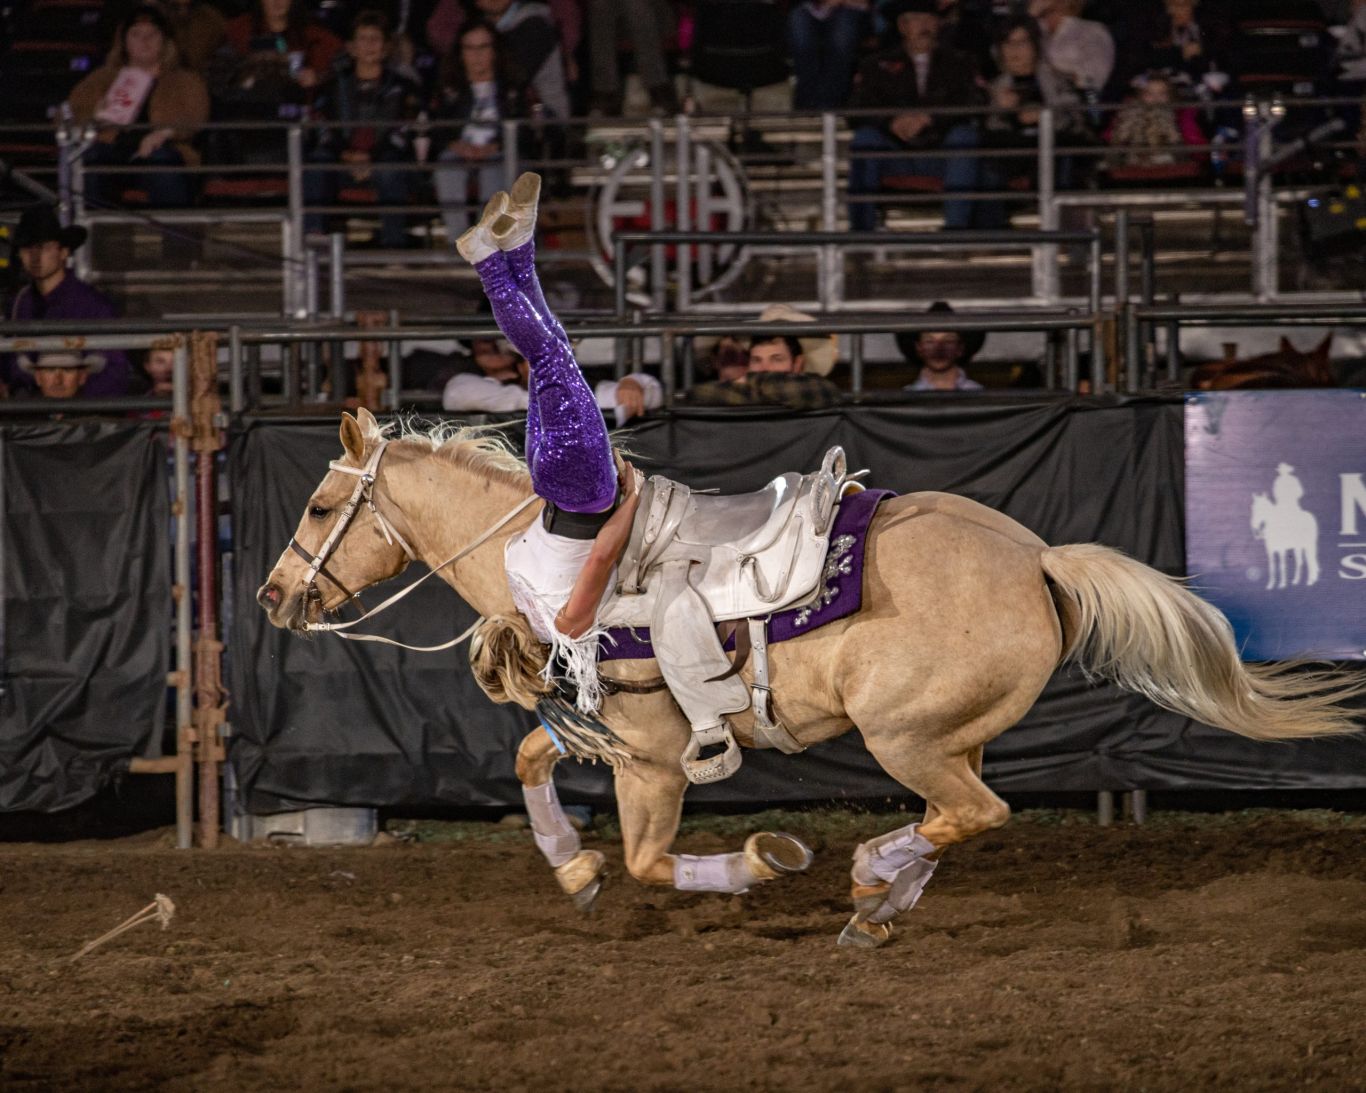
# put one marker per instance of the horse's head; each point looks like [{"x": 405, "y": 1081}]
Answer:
[
  {"x": 342, "y": 544},
  {"x": 1261, "y": 512}
]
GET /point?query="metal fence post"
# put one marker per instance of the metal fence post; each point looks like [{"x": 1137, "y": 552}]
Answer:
[
  {"x": 659, "y": 276},
  {"x": 1046, "y": 280},
  {"x": 511, "y": 160},
  {"x": 75, "y": 162},
  {"x": 294, "y": 257},
  {"x": 336, "y": 298},
  {"x": 1124, "y": 341},
  {"x": 184, "y": 701},
  {"x": 395, "y": 363},
  {"x": 311, "y": 309},
  {"x": 683, "y": 215},
  {"x": 237, "y": 399},
  {"x": 1097, "y": 326},
  {"x": 830, "y": 272}
]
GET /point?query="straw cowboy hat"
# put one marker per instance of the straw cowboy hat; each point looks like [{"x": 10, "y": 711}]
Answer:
[
  {"x": 820, "y": 351},
  {"x": 972, "y": 340},
  {"x": 39, "y": 224},
  {"x": 93, "y": 362}
]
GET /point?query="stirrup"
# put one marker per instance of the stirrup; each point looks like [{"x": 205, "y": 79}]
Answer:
[{"x": 718, "y": 767}]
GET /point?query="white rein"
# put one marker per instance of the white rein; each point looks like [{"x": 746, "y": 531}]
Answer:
[{"x": 364, "y": 492}]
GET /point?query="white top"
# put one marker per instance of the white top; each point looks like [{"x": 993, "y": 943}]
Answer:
[
  {"x": 471, "y": 392},
  {"x": 1082, "y": 51}
]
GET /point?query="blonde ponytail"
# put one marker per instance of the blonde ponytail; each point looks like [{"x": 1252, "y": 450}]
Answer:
[{"x": 508, "y": 661}]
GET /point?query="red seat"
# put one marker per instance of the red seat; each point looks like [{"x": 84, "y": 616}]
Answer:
[{"x": 1153, "y": 174}]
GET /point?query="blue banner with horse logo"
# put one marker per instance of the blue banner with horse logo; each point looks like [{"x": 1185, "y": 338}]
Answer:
[{"x": 1276, "y": 518}]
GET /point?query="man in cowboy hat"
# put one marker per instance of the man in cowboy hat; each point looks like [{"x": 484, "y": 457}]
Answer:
[
  {"x": 782, "y": 370},
  {"x": 44, "y": 247},
  {"x": 62, "y": 375},
  {"x": 941, "y": 354}
]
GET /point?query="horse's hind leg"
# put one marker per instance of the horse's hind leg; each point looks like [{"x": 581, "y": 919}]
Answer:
[
  {"x": 578, "y": 871},
  {"x": 891, "y": 871}
]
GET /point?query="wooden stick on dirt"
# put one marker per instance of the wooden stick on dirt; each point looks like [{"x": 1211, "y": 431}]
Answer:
[{"x": 162, "y": 908}]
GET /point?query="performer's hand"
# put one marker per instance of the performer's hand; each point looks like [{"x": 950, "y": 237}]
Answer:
[{"x": 630, "y": 399}]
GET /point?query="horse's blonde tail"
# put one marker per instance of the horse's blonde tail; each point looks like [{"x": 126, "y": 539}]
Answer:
[{"x": 1128, "y": 623}]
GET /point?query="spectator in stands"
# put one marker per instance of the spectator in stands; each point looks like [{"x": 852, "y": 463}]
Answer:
[
  {"x": 61, "y": 375},
  {"x": 781, "y": 371},
  {"x": 941, "y": 355},
  {"x": 478, "y": 92},
  {"x": 147, "y": 109},
  {"x": 276, "y": 51},
  {"x": 1026, "y": 84},
  {"x": 825, "y": 37},
  {"x": 44, "y": 247},
  {"x": 646, "y": 23},
  {"x": 365, "y": 87},
  {"x": 449, "y": 16},
  {"x": 158, "y": 370},
  {"x": 1081, "y": 51},
  {"x": 1189, "y": 45},
  {"x": 501, "y": 386},
  {"x": 531, "y": 43},
  {"x": 1150, "y": 129},
  {"x": 916, "y": 75},
  {"x": 199, "y": 30}
]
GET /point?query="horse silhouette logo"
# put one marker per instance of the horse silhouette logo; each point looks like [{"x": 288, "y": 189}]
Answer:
[{"x": 1289, "y": 532}]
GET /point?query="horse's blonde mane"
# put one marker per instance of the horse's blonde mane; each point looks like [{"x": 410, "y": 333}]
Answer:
[{"x": 484, "y": 449}]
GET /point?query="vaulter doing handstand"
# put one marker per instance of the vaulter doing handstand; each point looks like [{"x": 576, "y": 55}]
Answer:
[{"x": 560, "y": 570}]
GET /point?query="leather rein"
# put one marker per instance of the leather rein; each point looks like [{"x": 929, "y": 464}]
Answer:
[{"x": 364, "y": 494}]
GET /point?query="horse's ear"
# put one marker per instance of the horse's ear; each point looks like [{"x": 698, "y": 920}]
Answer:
[
  {"x": 1287, "y": 346},
  {"x": 369, "y": 426},
  {"x": 353, "y": 438},
  {"x": 1321, "y": 350}
]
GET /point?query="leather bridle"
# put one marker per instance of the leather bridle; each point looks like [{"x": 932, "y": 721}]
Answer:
[{"x": 364, "y": 493}]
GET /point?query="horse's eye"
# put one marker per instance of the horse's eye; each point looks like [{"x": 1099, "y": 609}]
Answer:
[{"x": 318, "y": 512}]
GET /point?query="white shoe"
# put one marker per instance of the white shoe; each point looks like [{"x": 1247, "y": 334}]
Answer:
[
  {"x": 517, "y": 225},
  {"x": 478, "y": 242}
]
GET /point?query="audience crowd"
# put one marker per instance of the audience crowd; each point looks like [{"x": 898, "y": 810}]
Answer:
[{"x": 414, "y": 81}]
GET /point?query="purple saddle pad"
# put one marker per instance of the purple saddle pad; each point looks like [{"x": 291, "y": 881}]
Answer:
[{"x": 841, "y": 593}]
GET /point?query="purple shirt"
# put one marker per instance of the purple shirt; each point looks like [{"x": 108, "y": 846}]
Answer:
[{"x": 72, "y": 299}]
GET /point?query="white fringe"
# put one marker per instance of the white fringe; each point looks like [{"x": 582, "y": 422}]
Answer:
[{"x": 580, "y": 659}]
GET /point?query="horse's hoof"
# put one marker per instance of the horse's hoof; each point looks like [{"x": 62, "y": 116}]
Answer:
[
  {"x": 585, "y": 898},
  {"x": 775, "y": 853},
  {"x": 859, "y": 934},
  {"x": 581, "y": 878}
]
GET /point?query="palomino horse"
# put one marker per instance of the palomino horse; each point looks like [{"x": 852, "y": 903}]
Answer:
[{"x": 940, "y": 660}]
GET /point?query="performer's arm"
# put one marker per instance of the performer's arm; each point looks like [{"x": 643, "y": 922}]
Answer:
[{"x": 580, "y": 611}]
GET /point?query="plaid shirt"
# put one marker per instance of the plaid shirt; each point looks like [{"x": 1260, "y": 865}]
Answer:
[{"x": 794, "y": 390}]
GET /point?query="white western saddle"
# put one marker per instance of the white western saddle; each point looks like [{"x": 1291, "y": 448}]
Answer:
[{"x": 694, "y": 560}]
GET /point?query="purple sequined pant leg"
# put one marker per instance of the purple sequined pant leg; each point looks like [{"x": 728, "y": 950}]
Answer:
[
  {"x": 566, "y": 438},
  {"x": 522, "y": 262}
]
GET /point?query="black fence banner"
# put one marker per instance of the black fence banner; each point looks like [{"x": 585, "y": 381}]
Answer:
[
  {"x": 86, "y": 639},
  {"x": 324, "y": 721}
]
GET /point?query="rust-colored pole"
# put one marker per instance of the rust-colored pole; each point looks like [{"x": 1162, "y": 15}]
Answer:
[{"x": 210, "y": 708}]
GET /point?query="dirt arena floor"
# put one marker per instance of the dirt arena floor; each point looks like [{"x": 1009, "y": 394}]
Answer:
[{"x": 1216, "y": 952}]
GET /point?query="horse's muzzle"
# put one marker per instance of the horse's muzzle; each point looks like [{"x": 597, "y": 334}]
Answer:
[{"x": 286, "y": 612}]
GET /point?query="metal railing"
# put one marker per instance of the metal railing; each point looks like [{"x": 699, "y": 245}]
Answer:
[{"x": 675, "y": 153}]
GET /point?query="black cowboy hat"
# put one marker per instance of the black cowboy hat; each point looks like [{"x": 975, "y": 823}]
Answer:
[
  {"x": 39, "y": 224},
  {"x": 973, "y": 340}
]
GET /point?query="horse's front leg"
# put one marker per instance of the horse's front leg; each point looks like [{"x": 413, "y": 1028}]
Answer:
[
  {"x": 650, "y": 801},
  {"x": 578, "y": 871}
]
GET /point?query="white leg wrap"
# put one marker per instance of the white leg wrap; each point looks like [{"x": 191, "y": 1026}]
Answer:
[
  {"x": 555, "y": 836},
  {"x": 713, "y": 873},
  {"x": 881, "y": 860},
  {"x": 906, "y": 890}
]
